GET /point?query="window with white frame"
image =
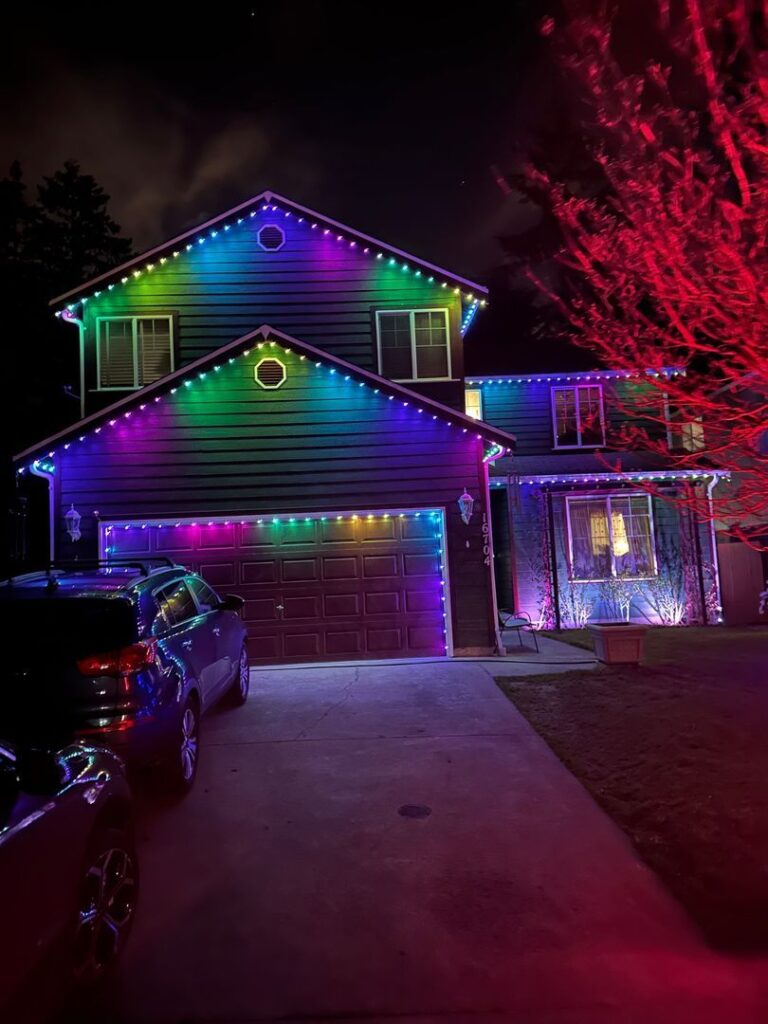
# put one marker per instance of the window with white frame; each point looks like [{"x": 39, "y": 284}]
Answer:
[
  {"x": 133, "y": 351},
  {"x": 577, "y": 416},
  {"x": 473, "y": 403},
  {"x": 610, "y": 535},
  {"x": 414, "y": 344}
]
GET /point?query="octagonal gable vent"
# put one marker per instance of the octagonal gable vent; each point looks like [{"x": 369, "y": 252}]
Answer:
[
  {"x": 271, "y": 237},
  {"x": 270, "y": 373}
]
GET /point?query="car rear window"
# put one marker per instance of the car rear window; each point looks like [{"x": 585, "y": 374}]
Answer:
[{"x": 58, "y": 628}]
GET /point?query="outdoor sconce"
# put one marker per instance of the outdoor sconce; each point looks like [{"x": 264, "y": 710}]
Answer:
[
  {"x": 466, "y": 505},
  {"x": 72, "y": 520}
]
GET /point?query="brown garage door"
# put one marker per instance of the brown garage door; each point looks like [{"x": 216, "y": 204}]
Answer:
[{"x": 316, "y": 588}]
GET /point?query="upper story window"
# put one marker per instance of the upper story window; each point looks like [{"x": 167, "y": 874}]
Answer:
[
  {"x": 414, "y": 344},
  {"x": 473, "y": 403},
  {"x": 577, "y": 416},
  {"x": 610, "y": 535},
  {"x": 686, "y": 436},
  {"x": 133, "y": 350}
]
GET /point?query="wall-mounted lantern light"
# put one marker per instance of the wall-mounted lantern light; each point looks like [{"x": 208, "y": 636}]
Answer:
[
  {"x": 466, "y": 505},
  {"x": 72, "y": 520}
]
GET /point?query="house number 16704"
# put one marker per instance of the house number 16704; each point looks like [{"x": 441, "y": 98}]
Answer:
[{"x": 486, "y": 540}]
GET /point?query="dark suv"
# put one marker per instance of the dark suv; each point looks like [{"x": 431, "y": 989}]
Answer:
[{"x": 129, "y": 655}]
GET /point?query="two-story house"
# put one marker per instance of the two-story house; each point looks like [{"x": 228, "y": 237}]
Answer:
[
  {"x": 585, "y": 533},
  {"x": 277, "y": 400}
]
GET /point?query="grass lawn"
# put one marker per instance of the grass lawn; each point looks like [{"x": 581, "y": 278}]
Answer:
[{"x": 676, "y": 752}]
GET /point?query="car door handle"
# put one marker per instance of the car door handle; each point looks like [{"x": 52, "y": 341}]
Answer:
[
  {"x": 187, "y": 645},
  {"x": 217, "y": 630}
]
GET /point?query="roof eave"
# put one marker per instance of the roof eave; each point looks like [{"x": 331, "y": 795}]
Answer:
[
  {"x": 266, "y": 196},
  {"x": 264, "y": 333}
]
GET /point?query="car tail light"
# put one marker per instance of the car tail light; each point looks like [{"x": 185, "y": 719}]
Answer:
[{"x": 123, "y": 662}]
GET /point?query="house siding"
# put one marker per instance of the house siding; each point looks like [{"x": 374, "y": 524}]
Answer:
[
  {"x": 314, "y": 288},
  {"x": 524, "y": 409},
  {"x": 320, "y": 443}
]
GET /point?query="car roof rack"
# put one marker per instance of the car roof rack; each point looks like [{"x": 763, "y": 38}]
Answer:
[{"x": 144, "y": 565}]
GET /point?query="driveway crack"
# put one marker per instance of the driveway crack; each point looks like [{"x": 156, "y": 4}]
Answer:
[{"x": 303, "y": 733}]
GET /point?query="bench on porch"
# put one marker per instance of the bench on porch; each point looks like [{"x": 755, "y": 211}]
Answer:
[{"x": 520, "y": 621}]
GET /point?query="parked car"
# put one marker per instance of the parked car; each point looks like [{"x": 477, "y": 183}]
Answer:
[
  {"x": 68, "y": 871},
  {"x": 130, "y": 655}
]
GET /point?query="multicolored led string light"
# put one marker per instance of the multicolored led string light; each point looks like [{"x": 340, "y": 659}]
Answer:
[
  {"x": 555, "y": 378},
  {"x": 495, "y": 452},
  {"x": 315, "y": 224},
  {"x": 598, "y": 478}
]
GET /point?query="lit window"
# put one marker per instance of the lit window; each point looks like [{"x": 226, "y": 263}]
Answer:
[
  {"x": 611, "y": 536},
  {"x": 473, "y": 403},
  {"x": 414, "y": 344},
  {"x": 133, "y": 351},
  {"x": 577, "y": 414},
  {"x": 689, "y": 436}
]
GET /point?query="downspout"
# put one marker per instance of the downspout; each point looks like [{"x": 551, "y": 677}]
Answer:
[
  {"x": 713, "y": 543},
  {"x": 487, "y": 460},
  {"x": 69, "y": 318},
  {"x": 48, "y": 477},
  {"x": 553, "y": 557}
]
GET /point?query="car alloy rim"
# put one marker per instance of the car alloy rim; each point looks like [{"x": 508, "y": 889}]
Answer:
[
  {"x": 106, "y": 905},
  {"x": 188, "y": 743},
  {"x": 244, "y": 680}
]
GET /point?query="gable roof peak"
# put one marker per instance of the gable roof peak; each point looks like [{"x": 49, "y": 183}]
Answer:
[{"x": 238, "y": 215}]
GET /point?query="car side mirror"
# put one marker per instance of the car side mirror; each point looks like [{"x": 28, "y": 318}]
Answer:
[{"x": 231, "y": 603}]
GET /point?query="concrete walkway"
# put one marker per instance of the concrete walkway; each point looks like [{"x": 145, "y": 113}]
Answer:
[{"x": 385, "y": 842}]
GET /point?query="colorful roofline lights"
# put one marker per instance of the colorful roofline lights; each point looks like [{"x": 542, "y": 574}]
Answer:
[
  {"x": 601, "y": 478},
  {"x": 556, "y": 378},
  {"x": 337, "y": 233},
  {"x": 183, "y": 378}
]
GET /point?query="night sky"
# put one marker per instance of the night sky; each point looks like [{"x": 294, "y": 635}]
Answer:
[{"x": 387, "y": 117}]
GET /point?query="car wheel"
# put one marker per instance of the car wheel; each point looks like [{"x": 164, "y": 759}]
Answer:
[
  {"x": 180, "y": 768},
  {"x": 241, "y": 684},
  {"x": 106, "y": 904}
]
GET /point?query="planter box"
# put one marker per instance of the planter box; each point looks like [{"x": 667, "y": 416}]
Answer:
[{"x": 618, "y": 643}]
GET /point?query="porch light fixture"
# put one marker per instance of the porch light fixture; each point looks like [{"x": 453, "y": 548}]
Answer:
[
  {"x": 72, "y": 521},
  {"x": 466, "y": 505}
]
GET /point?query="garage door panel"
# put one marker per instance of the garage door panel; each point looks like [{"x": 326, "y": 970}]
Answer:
[
  {"x": 323, "y": 589},
  {"x": 373, "y": 530},
  {"x": 264, "y": 647},
  {"x": 423, "y": 601},
  {"x": 265, "y": 570},
  {"x": 385, "y": 602},
  {"x": 341, "y": 604},
  {"x": 300, "y": 569},
  {"x": 306, "y": 607},
  {"x": 341, "y": 568},
  {"x": 335, "y": 532},
  {"x": 425, "y": 564},
  {"x": 381, "y": 641},
  {"x": 262, "y": 609},
  {"x": 219, "y": 574},
  {"x": 343, "y": 643},
  {"x": 381, "y": 566},
  {"x": 219, "y": 536},
  {"x": 422, "y": 638},
  {"x": 302, "y": 645},
  {"x": 418, "y": 529},
  {"x": 253, "y": 535}
]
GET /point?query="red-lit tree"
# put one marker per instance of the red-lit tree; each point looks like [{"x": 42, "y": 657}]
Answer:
[{"x": 670, "y": 252}]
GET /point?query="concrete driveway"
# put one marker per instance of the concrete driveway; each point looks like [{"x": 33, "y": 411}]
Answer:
[{"x": 394, "y": 842}]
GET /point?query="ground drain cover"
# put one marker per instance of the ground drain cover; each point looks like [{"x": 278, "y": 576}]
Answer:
[{"x": 414, "y": 811}]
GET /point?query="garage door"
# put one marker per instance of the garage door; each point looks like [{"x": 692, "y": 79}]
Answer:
[{"x": 315, "y": 587}]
